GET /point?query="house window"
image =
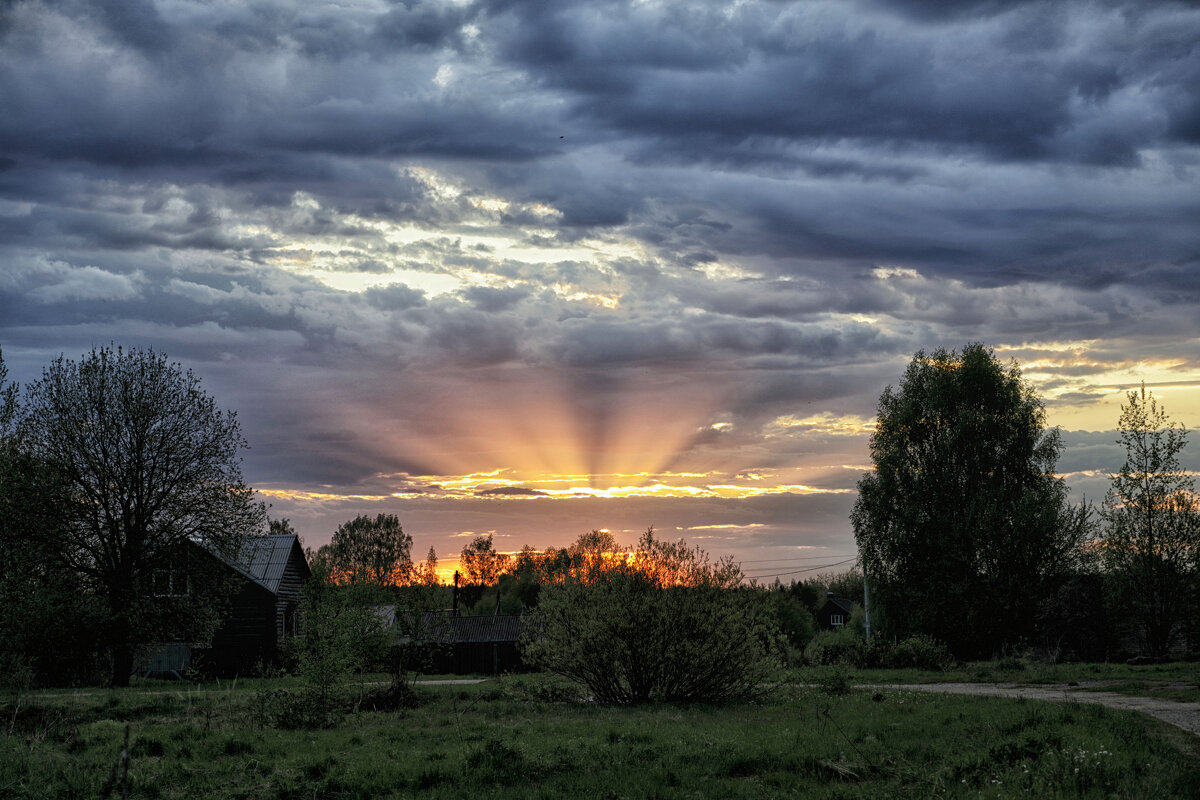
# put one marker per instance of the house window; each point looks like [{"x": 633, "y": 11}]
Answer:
[
  {"x": 837, "y": 619},
  {"x": 171, "y": 580}
]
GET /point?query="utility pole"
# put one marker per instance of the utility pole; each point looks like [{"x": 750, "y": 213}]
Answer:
[{"x": 866, "y": 607}]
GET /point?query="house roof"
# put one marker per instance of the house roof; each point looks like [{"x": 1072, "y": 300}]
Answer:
[
  {"x": 497, "y": 628},
  {"x": 840, "y": 602},
  {"x": 264, "y": 559}
]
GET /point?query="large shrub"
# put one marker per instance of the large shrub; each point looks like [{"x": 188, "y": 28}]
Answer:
[{"x": 662, "y": 623}]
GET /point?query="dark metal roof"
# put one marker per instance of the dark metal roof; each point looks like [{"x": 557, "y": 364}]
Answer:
[
  {"x": 839, "y": 602},
  {"x": 497, "y": 628},
  {"x": 263, "y": 559}
]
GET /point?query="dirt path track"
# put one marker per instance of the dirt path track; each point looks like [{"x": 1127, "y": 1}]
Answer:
[{"x": 1183, "y": 715}]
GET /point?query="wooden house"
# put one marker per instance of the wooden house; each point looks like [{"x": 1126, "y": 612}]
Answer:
[
  {"x": 268, "y": 576},
  {"x": 834, "y": 612}
]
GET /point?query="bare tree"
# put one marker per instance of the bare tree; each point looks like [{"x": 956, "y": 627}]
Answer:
[{"x": 149, "y": 464}]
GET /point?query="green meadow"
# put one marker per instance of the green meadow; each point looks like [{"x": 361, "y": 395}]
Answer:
[{"x": 534, "y": 736}]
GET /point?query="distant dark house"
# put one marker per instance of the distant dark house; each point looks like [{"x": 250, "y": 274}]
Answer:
[
  {"x": 468, "y": 645},
  {"x": 834, "y": 612},
  {"x": 268, "y": 576}
]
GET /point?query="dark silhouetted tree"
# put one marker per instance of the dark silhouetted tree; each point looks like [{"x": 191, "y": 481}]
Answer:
[
  {"x": 963, "y": 527},
  {"x": 47, "y": 627},
  {"x": 370, "y": 550},
  {"x": 481, "y": 563}
]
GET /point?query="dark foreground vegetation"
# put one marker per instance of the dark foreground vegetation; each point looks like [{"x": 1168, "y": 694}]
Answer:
[{"x": 535, "y": 736}]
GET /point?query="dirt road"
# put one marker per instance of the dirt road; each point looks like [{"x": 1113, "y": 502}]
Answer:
[{"x": 1180, "y": 714}]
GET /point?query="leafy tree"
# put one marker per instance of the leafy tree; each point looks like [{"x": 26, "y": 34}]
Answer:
[
  {"x": 664, "y": 623},
  {"x": 530, "y": 570},
  {"x": 590, "y": 550},
  {"x": 481, "y": 563},
  {"x": 810, "y": 592},
  {"x": 341, "y": 634},
  {"x": 963, "y": 527},
  {"x": 1151, "y": 537},
  {"x": 281, "y": 527},
  {"x": 146, "y": 463},
  {"x": 848, "y": 584},
  {"x": 795, "y": 620},
  {"x": 47, "y": 626},
  {"x": 366, "y": 550}
]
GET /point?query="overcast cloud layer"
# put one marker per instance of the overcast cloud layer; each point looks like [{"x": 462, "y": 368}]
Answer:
[{"x": 487, "y": 264}]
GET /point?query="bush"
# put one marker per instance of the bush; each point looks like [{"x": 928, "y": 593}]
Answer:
[
  {"x": 919, "y": 652},
  {"x": 794, "y": 619},
  {"x": 341, "y": 634},
  {"x": 834, "y": 682},
  {"x": 828, "y": 648},
  {"x": 665, "y": 624},
  {"x": 845, "y": 648}
]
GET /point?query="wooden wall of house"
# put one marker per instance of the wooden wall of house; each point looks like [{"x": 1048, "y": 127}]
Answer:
[
  {"x": 475, "y": 658},
  {"x": 248, "y": 637},
  {"x": 287, "y": 602}
]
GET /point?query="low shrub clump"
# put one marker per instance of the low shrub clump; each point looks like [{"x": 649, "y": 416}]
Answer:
[
  {"x": 844, "y": 648},
  {"x": 919, "y": 652}
]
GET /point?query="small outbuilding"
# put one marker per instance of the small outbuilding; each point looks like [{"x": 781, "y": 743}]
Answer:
[{"x": 486, "y": 645}]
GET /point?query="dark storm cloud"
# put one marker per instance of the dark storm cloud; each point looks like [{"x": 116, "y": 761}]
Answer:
[
  {"x": 932, "y": 10},
  {"x": 722, "y": 80}
]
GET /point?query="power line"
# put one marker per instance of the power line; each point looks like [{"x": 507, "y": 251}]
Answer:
[
  {"x": 806, "y": 569},
  {"x": 799, "y": 558}
]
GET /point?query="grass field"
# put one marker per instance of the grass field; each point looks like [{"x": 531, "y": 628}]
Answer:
[{"x": 532, "y": 736}]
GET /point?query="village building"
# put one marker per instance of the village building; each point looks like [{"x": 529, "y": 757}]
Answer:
[
  {"x": 834, "y": 612},
  {"x": 264, "y": 609}
]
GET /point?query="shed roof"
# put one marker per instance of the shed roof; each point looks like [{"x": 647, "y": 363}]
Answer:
[
  {"x": 264, "y": 559},
  {"x": 496, "y": 628}
]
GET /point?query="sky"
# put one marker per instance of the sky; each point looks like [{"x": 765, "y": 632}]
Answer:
[{"x": 532, "y": 268}]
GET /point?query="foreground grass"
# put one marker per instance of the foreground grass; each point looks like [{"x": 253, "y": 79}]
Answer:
[{"x": 528, "y": 737}]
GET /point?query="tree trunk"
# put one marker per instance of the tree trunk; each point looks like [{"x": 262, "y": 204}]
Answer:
[
  {"x": 121, "y": 637},
  {"x": 122, "y": 663}
]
